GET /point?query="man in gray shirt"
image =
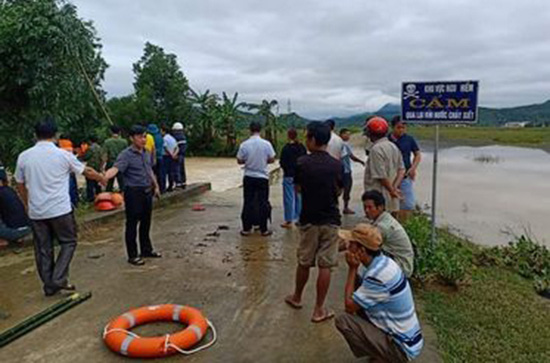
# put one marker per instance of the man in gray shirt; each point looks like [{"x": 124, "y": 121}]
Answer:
[
  {"x": 139, "y": 186},
  {"x": 255, "y": 153},
  {"x": 396, "y": 242}
]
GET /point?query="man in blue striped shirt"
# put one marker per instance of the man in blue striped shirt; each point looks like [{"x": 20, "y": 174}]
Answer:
[{"x": 380, "y": 320}]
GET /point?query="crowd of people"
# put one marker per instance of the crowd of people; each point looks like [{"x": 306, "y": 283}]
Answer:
[
  {"x": 46, "y": 178},
  {"x": 380, "y": 322}
]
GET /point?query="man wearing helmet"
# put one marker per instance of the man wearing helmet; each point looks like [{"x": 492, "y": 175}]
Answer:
[
  {"x": 179, "y": 135},
  {"x": 384, "y": 169}
]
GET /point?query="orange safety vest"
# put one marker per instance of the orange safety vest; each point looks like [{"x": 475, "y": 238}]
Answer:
[{"x": 66, "y": 144}]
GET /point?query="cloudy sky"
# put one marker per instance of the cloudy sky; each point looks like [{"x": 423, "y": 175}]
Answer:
[{"x": 332, "y": 57}]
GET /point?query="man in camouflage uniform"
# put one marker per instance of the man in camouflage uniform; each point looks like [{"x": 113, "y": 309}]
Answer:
[
  {"x": 94, "y": 159},
  {"x": 112, "y": 147}
]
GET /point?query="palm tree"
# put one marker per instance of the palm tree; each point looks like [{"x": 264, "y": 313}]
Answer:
[
  {"x": 205, "y": 104},
  {"x": 264, "y": 110},
  {"x": 228, "y": 114}
]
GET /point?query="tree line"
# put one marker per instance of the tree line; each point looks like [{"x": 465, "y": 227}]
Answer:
[{"x": 51, "y": 65}]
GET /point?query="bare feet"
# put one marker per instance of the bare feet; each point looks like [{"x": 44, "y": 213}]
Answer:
[
  {"x": 292, "y": 302},
  {"x": 348, "y": 211},
  {"x": 322, "y": 315},
  {"x": 287, "y": 225}
]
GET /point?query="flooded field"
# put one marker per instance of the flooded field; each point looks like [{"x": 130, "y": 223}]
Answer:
[
  {"x": 492, "y": 191},
  {"x": 484, "y": 192}
]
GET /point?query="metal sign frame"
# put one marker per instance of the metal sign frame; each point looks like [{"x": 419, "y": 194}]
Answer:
[
  {"x": 426, "y": 122},
  {"x": 436, "y": 137}
]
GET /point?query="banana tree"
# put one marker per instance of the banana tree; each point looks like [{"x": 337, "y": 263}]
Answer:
[
  {"x": 264, "y": 109},
  {"x": 205, "y": 105},
  {"x": 228, "y": 114}
]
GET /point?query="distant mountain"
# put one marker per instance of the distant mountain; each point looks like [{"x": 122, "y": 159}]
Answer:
[
  {"x": 285, "y": 120},
  {"x": 537, "y": 114},
  {"x": 388, "y": 111}
]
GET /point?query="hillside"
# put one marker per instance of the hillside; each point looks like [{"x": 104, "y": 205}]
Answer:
[
  {"x": 284, "y": 120},
  {"x": 538, "y": 114}
]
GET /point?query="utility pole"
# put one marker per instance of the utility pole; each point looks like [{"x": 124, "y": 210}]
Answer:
[{"x": 289, "y": 106}]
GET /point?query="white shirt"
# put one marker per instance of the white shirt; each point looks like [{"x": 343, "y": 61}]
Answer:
[
  {"x": 45, "y": 170},
  {"x": 255, "y": 152},
  {"x": 170, "y": 145},
  {"x": 335, "y": 147}
]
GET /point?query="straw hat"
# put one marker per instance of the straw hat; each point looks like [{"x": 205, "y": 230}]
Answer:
[{"x": 364, "y": 234}]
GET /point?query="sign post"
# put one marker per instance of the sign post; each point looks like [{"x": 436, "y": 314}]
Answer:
[{"x": 439, "y": 103}]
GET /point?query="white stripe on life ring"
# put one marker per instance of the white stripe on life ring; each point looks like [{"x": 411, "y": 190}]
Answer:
[
  {"x": 131, "y": 319},
  {"x": 197, "y": 331},
  {"x": 177, "y": 311},
  {"x": 126, "y": 344}
]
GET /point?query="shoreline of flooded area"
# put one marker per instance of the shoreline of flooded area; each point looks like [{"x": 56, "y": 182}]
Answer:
[
  {"x": 490, "y": 193},
  {"x": 485, "y": 193}
]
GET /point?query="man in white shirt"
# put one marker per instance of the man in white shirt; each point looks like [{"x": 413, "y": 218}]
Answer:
[
  {"x": 335, "y": 147},
  {"x": 170, "y": 158},
  {"x": 255, "y": 153},
  {"x": 42, "y": 176}
]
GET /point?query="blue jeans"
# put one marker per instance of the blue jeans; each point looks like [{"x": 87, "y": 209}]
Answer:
[
  {"x": 408, "y": 202},
  {"x": 292, "y": 201}
]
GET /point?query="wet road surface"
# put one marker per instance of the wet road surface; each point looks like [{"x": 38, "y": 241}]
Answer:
[{"x": 239, "y": 283}]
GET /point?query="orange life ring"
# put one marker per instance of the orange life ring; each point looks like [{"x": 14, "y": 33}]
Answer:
[{"x": 120, "y": 340}]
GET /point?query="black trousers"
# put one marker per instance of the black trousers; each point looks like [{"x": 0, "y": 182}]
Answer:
[
  {"x": 92, "y": 189},
  {"x": 347, "y": 180},
  {"x": 256, "y": 203},
  {"x": 54, "y": 272},
  {"x": 139, "y": 208}
]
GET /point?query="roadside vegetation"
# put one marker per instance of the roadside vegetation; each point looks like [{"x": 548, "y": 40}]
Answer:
[
  {"x": 528, "y": 136},
  {"x": 483, "y": 302},
  {"x": 53, "y": 66}
]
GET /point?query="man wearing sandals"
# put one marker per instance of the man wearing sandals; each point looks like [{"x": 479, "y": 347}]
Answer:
[
  {"x": 380, "y": 322},
  {"x": 42, "y": 177},
  {"x": 140, "y": 184},
  {"x": 319, "y": 179}
]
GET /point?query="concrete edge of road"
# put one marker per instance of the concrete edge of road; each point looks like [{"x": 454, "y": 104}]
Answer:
[
  {"x": 94, "y": 219},
  {"x": 98, "y": 218}
]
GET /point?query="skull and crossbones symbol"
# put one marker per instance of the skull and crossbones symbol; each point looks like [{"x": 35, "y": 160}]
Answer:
[{"x": 410, "y": 92}]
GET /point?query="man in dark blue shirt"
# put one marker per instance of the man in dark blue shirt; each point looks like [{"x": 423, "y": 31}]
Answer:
[
  {"x": 140, "y": 185},
  {"x": 409, "y": 149},
  {"x": 14, "y": 223}
]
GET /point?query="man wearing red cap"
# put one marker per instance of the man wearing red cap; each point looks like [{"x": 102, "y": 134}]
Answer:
[{"x": 384, "y": 169}]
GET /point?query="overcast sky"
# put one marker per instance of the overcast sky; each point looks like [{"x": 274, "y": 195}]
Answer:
[{"x": 333, "y": 58}]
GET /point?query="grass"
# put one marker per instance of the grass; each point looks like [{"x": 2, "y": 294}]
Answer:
[
  {"x": 495, "y": 318},
  {"x": 534, "y": 137},
  {"x": 481, "y": 301}
]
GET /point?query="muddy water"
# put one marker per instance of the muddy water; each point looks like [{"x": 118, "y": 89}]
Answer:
[
  {"x": 484, "y": 192},
  {"x": 489, "y": 192},
  {"x": 223, "y": 173}
]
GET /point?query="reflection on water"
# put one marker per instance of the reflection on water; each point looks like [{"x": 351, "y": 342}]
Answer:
[{"x": 487, "y": 192}]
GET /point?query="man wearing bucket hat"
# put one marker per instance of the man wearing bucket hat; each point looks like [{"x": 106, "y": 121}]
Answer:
[
  {"x": 384, "y": 169},
  {"x": 380, "y": 322}
]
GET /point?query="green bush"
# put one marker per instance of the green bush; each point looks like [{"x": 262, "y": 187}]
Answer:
[
  {"x": 448, "y": 260},
  {"x": 523, "y": 256}
]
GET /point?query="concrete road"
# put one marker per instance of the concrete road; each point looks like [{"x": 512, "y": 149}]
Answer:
[{"x": 239, "y": 283}]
